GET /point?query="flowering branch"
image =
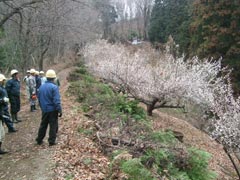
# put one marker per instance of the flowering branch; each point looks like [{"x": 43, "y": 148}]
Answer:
[{"x": 157, "y": 79}]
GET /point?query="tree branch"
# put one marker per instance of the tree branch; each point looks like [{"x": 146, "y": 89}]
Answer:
[{"x": 17, "y": 10}]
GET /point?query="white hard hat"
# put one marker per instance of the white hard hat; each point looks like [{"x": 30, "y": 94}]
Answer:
[
  {"x": 14, "y": 71},
  {"x": 41, "y": 72},
  {"x": 37, "y": 72},
  {"x": 2, "y": 77},
  {"x": 51, "y": 74},
  {"x": 32, "y": 71}
]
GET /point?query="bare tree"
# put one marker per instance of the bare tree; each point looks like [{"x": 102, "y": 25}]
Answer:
[
  {"x": 40, "y": 31},
  {"x": 144, "y": 8},
  {"x": 14, "y": 9},
  {"x": 134, "y": 17}
]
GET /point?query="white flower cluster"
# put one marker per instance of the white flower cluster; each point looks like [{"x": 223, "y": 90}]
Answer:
[{"x": 149, "y": 75}]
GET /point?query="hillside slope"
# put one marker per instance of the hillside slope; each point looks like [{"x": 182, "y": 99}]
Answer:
[{"x": 79, "y": 157}]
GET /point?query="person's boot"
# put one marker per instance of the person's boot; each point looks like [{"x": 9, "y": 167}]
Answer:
[
  {"x": 18, "y": 120},
  {"x": 12, "y": 130},
  {"x": 31, "y": 108},
  {"x": 1, "y": 151},
  {"x": 14, "y": 118}
]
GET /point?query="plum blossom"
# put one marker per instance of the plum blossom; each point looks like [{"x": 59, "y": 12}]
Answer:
[{"x": 157, "y": 79}]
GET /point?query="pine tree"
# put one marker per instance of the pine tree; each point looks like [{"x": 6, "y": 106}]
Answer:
[
  {"x": 170, "y": 17},
  {"x": 215, "y": 32}
]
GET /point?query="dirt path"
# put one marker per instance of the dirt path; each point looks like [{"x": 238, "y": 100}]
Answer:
[{"x": 26, "y": 160}]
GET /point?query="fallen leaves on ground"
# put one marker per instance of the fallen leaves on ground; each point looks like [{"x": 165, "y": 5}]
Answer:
[{"x": 77, "y": 156}]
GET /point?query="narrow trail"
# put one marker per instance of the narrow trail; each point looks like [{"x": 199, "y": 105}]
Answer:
[
  {"x": 73, "y": 152},
  {"x": 26, "y": 160}
]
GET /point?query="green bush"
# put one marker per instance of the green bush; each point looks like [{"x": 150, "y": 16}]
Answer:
[
  {"x": 163, "y": 137},
  {"x": 131, "y": 108},
  {"x": 136, "y": 170},
  {"x": 199, "y": 165},
  {"x": 81, "y": 70},
  {"x": 196, "y": 165}
]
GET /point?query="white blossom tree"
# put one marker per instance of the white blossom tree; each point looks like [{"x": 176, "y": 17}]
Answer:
[
  {"x": 157, "y": 79},
  {"x": 154, "y": 78}
]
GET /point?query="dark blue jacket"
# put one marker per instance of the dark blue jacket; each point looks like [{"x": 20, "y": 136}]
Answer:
[
  {"x": 13, "y": 87},
  {"x": 38, "y": 82},
  {"x": 2, "y": 104},
  {"x": 4, "y": 91},
  {"x": 49, "y": 97}
]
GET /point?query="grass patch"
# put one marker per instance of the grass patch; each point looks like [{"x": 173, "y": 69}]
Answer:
[{"x": 86, "y": 131}]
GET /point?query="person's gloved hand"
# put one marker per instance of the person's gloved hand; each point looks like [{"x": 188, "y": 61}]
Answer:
[
  {"x": 59, "y": 113},
  {"x": 6, "y": 100}
]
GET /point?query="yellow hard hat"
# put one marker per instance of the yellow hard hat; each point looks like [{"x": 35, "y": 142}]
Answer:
[
  {"x": 14, "y": 71},
  {"x": 51, "y": 74},
  {"x": 37, "y": 72},
  {"x": 32, "y": 71},
  {"x": 41, "y": 72},
  {"x": 2, "y": 78}
]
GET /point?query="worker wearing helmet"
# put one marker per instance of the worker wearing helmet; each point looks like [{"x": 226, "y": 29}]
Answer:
[
  {"x": 32, "y": 90},
  {"x": 43, "y": 79},
  {"x": 50, "y": 103},
  {"x": 25, "y": 79},
  {"x": 3, "y": 101},
  {"x": 13, "y": 91},
  {"x": 38, "y": 81},
  {"x": 6, "y": 114}
]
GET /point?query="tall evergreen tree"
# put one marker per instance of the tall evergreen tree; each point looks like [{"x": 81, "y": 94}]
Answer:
[
  {"x": 215, "y": 32},
  {"x": 171, "y": 17}
]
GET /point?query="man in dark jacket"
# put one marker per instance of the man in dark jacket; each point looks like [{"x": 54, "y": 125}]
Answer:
[
  {"x": 3, "y": 101},
  {"x": 6, "y": 115},
  {"x": 50, "y": 103},
  {"x": 13, "y": 91}
]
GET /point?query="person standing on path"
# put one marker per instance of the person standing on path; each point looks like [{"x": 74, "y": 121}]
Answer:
[
  {"x": 13, "y": 91},
  {"x": 50, "y": 103},
  {"x": 6, "y": 114},
  {"x": 25, "y": 79},
  {"x": 32, "y": 90},
  {"x": 3, "y": 101},
  {"x": 42, "y": 77}
]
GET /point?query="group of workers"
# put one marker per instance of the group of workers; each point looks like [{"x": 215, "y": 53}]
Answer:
[{"x": 41, "y": 89}]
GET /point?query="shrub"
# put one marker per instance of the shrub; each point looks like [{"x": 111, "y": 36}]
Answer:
[
  {"x": 131, "y": 108},
  {"x": 136, "y": 170},
  {"x": 199, "y": 165},
  {"x": 163, "y": 137}
]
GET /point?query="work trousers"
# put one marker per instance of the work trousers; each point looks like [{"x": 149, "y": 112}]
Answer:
[
  {"x": 6, "y": 119},
  {"x": 15, "y": 104},
  {"x": 2, "y": 132},
  {"x": 50, "y": 118}
]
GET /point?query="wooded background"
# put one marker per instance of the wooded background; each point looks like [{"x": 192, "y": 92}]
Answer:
[{"x": 34, "y": 32}]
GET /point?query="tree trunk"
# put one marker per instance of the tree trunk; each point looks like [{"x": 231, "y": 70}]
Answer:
[
  {"x": 233, "y": 162},
  {"x": 151, "y": 107}
]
